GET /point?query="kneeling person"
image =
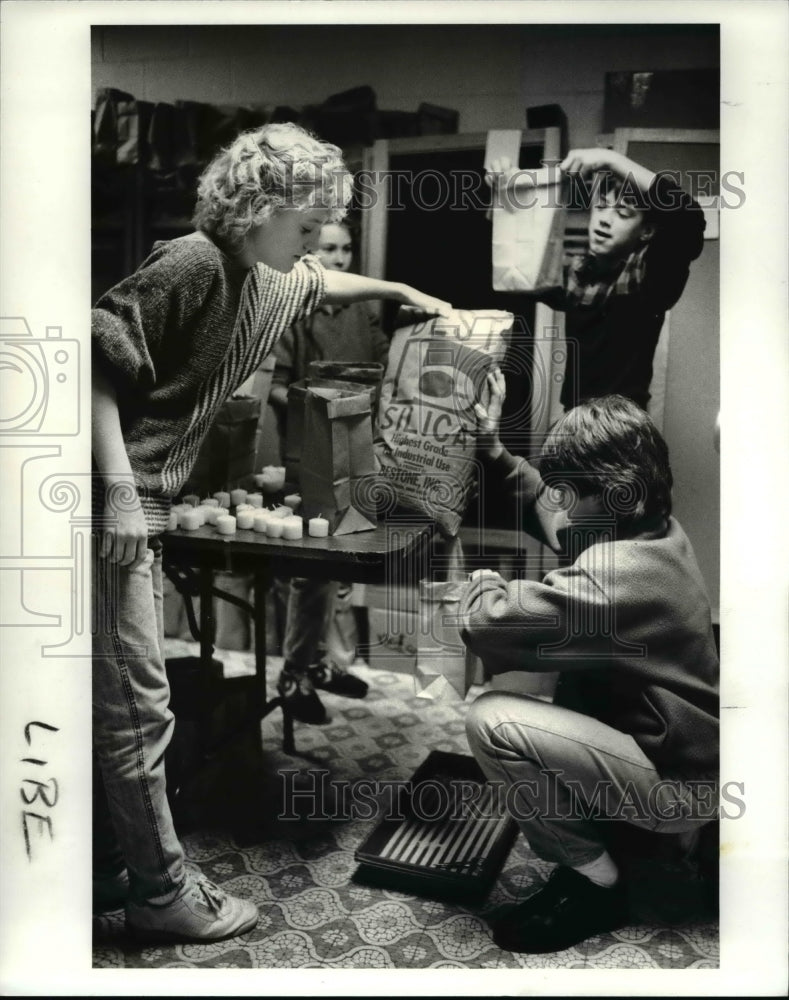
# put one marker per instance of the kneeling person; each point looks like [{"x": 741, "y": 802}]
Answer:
[{"x": 632, "y": 733}]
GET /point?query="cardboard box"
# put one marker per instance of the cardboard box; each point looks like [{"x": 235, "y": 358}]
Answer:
[
  {"x": 393, "y": 640},
  {"x": 374, "y": 595}
]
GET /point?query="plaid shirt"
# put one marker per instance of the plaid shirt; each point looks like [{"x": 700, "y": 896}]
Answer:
[
  {"x": 590, "y": 282},
  {"x": 615, "y": 312}
]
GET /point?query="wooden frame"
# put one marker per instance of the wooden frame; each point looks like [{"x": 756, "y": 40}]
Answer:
[
  {"x": 376, "y": 163},
  {"x": 621, "y": 142}
]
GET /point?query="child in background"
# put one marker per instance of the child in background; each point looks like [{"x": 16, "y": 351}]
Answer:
[
  {"x": 351, "y": 333},
  {"x": 632, "y": 733},
  {"x": 346, "y": 332},
  {"x": 170, "y": 344},
  {"x": 643, "y": 233}
]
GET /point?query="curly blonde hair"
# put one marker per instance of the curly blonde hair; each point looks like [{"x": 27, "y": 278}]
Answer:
[{"x": 277, "y": 166}]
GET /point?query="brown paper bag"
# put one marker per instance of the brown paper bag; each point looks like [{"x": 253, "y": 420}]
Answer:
[
  {"x": 529, "y": 221},
  {"x": 294, "y": 434},
  {"x": 369, "y": 373},
  {"x": 336, "y": 458},
  {"x": 528, "y": 237},
  {"x": 227, "y": 454},
  {"x": 325, "y": 374}
]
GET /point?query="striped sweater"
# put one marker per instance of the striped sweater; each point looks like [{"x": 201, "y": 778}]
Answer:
[{"x": 176, "y": 338}]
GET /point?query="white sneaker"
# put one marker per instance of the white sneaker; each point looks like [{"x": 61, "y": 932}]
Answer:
[{"x": 202, "y": 912}]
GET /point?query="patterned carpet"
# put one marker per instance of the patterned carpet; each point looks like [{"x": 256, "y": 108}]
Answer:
[{"x": 300, "y": 871}]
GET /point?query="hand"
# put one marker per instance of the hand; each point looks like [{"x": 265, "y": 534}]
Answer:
[
  {"x": 500, "y": 173},
  {"x": 489, "y": 416},
  {"x": 427, "y": 304},
  {"x": 502, "y": 178},
  {"x": 478, "y": 574},
  {"x": 587, "y": 161},
  {"x": 125, "y": 539}
]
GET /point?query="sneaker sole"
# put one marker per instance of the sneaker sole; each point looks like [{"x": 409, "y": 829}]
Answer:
[{"x": 152, "y": 936}]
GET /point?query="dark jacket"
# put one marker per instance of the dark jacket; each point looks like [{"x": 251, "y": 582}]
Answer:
[
  {"x": 627, "y": 624},
  {"x": 612, "y": 341}
]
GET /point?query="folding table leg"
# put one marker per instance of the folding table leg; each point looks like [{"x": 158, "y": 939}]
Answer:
[{"x": 261, "y": 589}]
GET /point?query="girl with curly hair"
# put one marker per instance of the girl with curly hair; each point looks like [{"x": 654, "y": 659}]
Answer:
[{"x": 170, "y": 344}]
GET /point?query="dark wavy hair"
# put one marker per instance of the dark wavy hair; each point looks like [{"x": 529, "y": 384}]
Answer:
[{"x": 609, "y": 447}]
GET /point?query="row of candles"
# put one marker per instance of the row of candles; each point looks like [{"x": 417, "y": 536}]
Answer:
[{"x": 280, "y": 521}]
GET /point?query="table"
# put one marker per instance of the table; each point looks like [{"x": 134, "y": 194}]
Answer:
[{"x": 396, "y": 551}]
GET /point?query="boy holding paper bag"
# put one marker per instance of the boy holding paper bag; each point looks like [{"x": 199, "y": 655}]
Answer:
[
  {"x": 632, "y": 733},
  {"x": 644, "y": 231}
]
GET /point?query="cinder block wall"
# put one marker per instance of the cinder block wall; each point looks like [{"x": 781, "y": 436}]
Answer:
[{"x": 489, "y": 73}]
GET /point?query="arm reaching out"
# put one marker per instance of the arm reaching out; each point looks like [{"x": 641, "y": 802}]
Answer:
[{"x": 342, "y": 287}]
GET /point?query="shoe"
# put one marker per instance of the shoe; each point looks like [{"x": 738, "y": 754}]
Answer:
[
  {"x": 110, "y": 891},
  {"x": 202, "y": 912},
  {"x": 298, "y": 696},
  {"x": 327, "y": 676},
  {"x": 566, "y": 911}
]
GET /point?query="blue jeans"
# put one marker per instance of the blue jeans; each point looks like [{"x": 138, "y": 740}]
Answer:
[
  {"x": 132, "y": 726},
  {"x": 565, "y": 775},
  {"x": 312, "y": 606}
]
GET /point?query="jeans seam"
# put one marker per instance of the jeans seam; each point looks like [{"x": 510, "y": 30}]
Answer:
[
  {"x": 584, "y": 743},
  {"x": 562, "y": 848},
  {"x": 140, "y": 755},
  {"x": 589, "y": 823}
]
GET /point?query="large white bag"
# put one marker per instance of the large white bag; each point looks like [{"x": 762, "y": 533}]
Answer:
[{"x": 426, "y": 422}]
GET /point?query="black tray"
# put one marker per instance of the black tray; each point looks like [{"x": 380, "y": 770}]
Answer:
[{"x": 447, "y": 838}]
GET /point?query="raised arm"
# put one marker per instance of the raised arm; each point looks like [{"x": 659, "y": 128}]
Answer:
[
  {"x": 342, "y": 287},
  {"x": 588, "y": 161},
  {"x": 676, "y": 219}
]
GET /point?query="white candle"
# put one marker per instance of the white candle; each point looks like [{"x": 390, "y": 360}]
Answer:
[
  {"x": 189, "y": 520},
  {"x": 212, "y": 513},
  {"x": 271, "y": 479},
  {"x": 255, "y": 499},
  {"x": 280, "y": 512},
  {"x": 209, "y": 502},
  {"x": 318, "y": 527},
  {"x": 260, "y": 521},
  {"x": 245, "y": 518},
  {"x": 172, "y": 523},
  {"x": 222, "y": 498},
  {"x": 226, "y": 524},
  {"x": 292, "y": 527},
  {"x": 200, "y": 511},
  {"x": 243, "y": 506},
  {"x": 237, "y": 496},
  {"x": 292, "y": 500},
  {"x": 192, "y": 499},
  {"x": 274, "y": 527}
]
